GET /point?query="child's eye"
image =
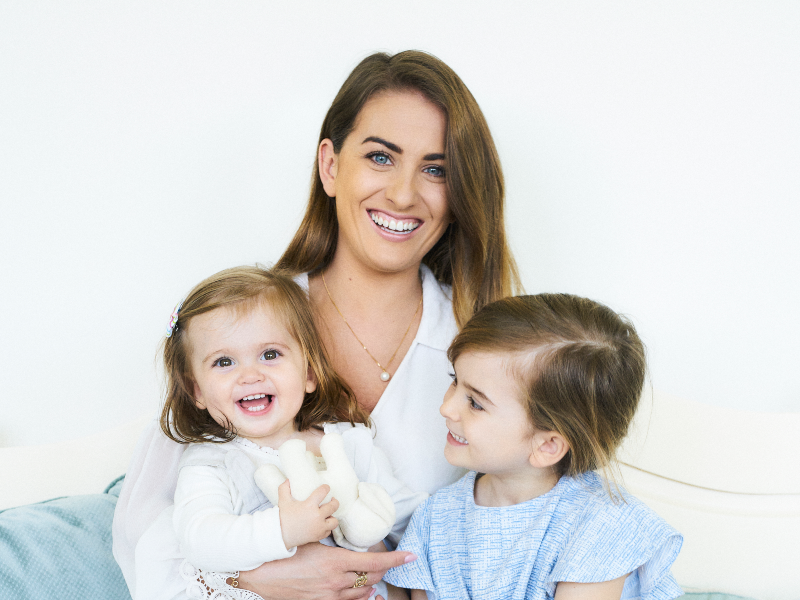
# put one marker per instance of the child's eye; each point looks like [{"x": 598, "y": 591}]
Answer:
[
  {"x": 380, "y": 158},
  {"x": 472, "y": 404},
  {"x": 223, "y": 361},
  {"x": 270, "y": 355}
]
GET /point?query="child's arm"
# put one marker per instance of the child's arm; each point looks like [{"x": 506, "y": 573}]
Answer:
[
  {"x": 606, "y": 590},
  {"x": 213, "y": 537}
]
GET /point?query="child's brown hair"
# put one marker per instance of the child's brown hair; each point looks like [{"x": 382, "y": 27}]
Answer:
[
  {"x": 581, "y": 367},
  {"x": 244, "y": 289}
]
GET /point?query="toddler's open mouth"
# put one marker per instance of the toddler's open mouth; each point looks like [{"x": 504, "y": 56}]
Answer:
[{"x": 256, "y": 402}]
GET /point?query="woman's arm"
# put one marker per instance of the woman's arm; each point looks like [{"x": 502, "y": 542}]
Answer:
[
  {"x": 319, "y": 572},
  {"x": 606, "y": 590}
]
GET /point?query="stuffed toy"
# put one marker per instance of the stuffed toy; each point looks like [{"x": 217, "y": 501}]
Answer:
[{"x": 366, "y": 512}]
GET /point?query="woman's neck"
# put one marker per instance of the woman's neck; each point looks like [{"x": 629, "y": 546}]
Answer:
[
  {"x": 508, "y": 489},
  {"x": 358, "y": 289},
  {"x": 357, "y": 308}
]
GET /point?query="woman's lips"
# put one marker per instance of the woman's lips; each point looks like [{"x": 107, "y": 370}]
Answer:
[{"x": 394, "y": 225}]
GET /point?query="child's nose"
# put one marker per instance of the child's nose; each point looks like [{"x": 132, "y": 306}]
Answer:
[
  {"x": 447, "y": 409},
  {"x": 251, "y": 374}
]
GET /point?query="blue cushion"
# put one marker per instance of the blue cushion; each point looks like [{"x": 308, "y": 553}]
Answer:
[
  {"x": 711, "y": 596},
  {"x": 61, "y": 549}
]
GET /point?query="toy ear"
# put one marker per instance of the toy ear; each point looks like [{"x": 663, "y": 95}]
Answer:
[
  {"x": 303, "y": 477},
  {"x": 269, "y": 478}
]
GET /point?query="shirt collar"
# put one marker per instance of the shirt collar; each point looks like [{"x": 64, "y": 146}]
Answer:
[{"x": 437, "y": 327}]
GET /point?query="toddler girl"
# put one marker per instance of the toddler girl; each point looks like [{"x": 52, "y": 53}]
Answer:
[
  {"x": 245, "y": 373},
  {"x": 544, "y": 388}
]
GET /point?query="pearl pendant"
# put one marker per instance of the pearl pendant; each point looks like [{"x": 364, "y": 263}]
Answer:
[{"x": 385, "y": 376}]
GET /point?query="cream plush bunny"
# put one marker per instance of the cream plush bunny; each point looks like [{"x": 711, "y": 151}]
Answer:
[{"x": 366, "y": 512}]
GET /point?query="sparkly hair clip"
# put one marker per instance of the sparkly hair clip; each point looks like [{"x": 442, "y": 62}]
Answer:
[{"x": 173, "y": 319}]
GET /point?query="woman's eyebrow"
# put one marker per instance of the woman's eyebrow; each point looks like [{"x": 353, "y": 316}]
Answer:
[
  {"x": 399, "y": 150},
  {"x": 389, "y": 145}
]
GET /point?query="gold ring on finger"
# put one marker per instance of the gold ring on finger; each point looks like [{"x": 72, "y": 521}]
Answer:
[{"x": 361, "y": 580}]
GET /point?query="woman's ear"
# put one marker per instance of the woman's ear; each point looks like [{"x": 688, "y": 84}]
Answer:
[
  {"x": 548, "y": 448},
  {"x": 311, "y": 380},
  {"x": 328, "y": 163}
]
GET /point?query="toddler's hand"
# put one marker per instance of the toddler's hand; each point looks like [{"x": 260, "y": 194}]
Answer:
[{"x": 303, "y": 522}]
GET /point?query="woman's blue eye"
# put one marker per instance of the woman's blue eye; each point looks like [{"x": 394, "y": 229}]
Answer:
[
  {"x": 379, "y": 158},
  {"x": 270, "y": 355},
  {"x": 453, "y": 377},
  {"x": 435, "y": 171},
  {"x": 223, "y": 361}
]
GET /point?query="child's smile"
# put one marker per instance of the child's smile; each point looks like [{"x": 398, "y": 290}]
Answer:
[
  {"x": 249, "y": 372},
  {"x": 489, "y": 430}
]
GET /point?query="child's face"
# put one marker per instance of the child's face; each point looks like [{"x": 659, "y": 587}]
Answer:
[
  {"x": 489, "y": 428},
  {"x": 249, "y": 370}
]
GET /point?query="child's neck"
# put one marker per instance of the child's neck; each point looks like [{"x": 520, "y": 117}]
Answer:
[{"x": 507, "y": 489}]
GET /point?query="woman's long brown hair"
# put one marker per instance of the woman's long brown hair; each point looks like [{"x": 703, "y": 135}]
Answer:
[{"x": 473, "y": 254}]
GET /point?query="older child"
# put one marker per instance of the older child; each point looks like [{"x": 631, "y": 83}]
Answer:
[
  {"x": 245, "y": 373},
  {"x": 544, "y": 388}
]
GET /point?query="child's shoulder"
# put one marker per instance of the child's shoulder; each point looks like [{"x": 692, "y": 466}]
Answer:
[
  {"x": 206, "y": 454},
  {"x": 592, "y": 499},
  {"x": 608, "y": 533}
]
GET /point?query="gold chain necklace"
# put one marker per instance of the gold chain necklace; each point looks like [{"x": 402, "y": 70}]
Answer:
[{"x": 384, "y": 373}]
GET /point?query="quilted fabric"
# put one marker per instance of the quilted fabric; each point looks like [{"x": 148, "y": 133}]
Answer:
[{"x": 60, "y": 549}]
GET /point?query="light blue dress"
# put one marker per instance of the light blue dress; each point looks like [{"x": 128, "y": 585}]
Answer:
[{"x": 574, "y": 532}]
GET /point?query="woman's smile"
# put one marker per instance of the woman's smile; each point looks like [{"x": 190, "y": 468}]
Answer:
[
  {"x": 388, "y": 182},
  {"x": 391, "y": 224}
]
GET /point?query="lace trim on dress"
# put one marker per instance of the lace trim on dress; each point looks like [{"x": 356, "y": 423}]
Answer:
[
  {"x": 245, "y": 443},
  {"x": 210, "y": 585}
]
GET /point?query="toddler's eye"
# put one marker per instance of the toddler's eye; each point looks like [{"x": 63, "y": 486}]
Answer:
[
  {"x": 474, "y": 405},
  {"x": 223, "y": 361},
  {"x": 434, "y": 170},
  {"x": 379, "y": 158},
  {"x": 270, "y": 355}
]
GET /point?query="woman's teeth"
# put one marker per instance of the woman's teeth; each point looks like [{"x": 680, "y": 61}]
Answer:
[
  {"x": 394, "y": 226},
  {"x": 458, "y": 438}
]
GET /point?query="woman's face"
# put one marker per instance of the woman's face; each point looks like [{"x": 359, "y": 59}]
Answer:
[{"x": 389, "y": 182}]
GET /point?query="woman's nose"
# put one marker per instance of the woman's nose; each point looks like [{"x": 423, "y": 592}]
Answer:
[{"x": 402, "y": 189}]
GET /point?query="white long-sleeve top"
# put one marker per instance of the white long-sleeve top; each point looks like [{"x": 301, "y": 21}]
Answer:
[{"x": 222, "y": 521}]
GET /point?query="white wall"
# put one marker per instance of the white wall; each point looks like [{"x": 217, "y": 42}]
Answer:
[{"x": 651, "y": 153}]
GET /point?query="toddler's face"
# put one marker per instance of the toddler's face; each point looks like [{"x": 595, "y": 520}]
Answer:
[
  {"x": 250, "y": 371},
  {"x": 488, "y": 426}
]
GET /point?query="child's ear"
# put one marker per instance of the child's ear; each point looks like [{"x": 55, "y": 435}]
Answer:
[
  {"x": 548, "y": 448},
  {"x": 199, "y": 402},
  {"x": 311, "y": 380}
]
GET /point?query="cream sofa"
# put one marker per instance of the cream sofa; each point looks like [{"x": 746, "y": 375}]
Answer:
[{"x": 728, "y": 480}]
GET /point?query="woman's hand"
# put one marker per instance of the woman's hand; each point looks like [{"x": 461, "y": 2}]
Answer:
[{"x": 319, "y": 572}]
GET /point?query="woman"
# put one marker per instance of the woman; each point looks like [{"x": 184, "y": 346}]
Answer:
[{"x": 402, "y": 240}]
